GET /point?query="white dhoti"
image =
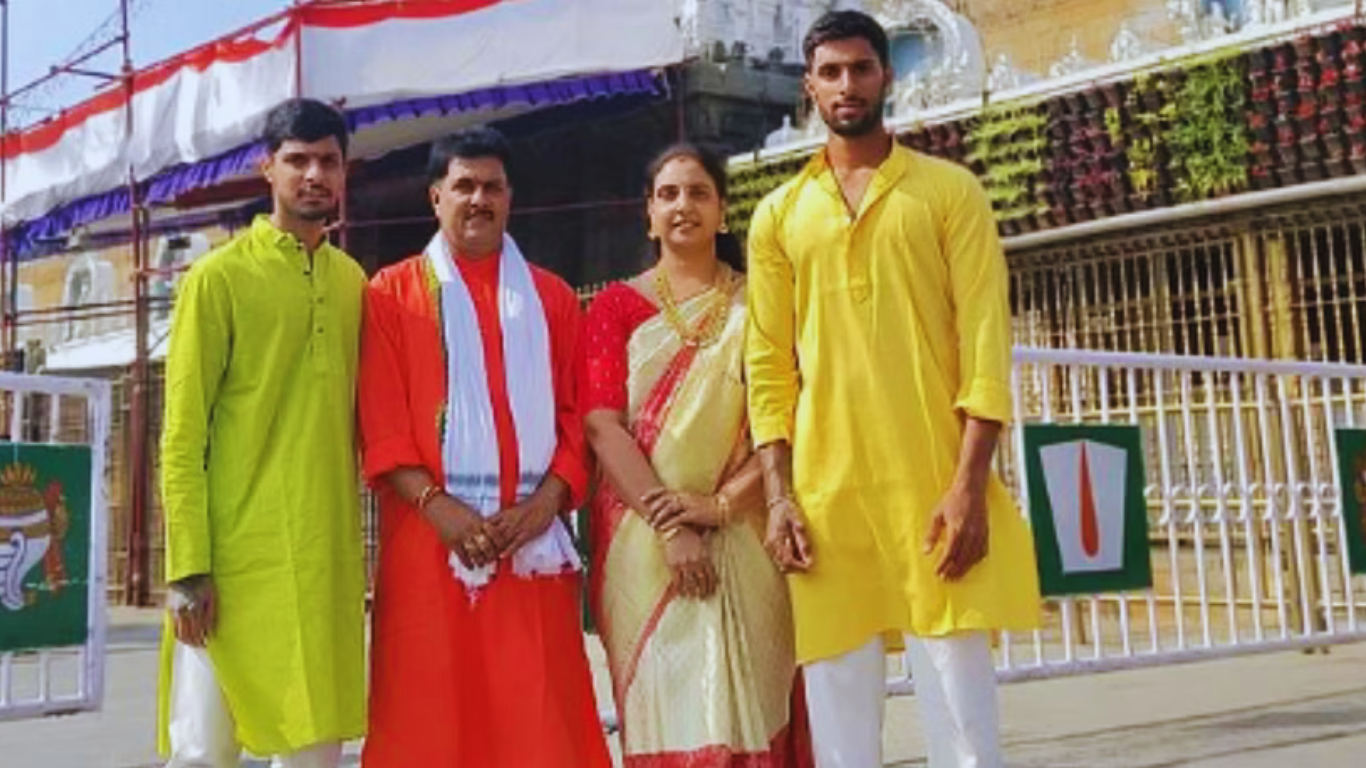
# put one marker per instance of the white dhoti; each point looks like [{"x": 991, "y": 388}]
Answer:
[
  {"x": 955, "y": 683},
  {"x": 202, "y": 728}
]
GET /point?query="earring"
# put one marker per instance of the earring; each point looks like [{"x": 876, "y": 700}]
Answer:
[{"x": 724, "y": 227}]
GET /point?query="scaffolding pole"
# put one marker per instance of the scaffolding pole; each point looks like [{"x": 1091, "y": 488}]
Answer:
[
  {"x": 138, "y": 578},
  {"x": 7, "y": 287},
  {"x": 138, "y": 589}
]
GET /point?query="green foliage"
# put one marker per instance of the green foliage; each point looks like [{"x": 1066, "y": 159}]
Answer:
[
  {"x": 1209, "y": 144},
  {"x": 1006, "y": 144},
  {"x": 748, "y": 184},
  {"x": 1148, "y": 124},
  {"x": 1114, "y": 125}
]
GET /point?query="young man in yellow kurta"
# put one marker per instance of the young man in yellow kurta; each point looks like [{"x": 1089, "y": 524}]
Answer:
[
  {"x": 259, "y": 477},
  {"x": 879, "y": 378}
]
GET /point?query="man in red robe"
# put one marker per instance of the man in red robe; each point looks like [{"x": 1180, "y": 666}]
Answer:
[{"x": 472, "y": 435}]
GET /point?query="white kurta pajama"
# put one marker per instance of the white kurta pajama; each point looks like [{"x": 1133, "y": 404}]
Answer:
[
  {"x": 202, "y": 729},
  {"x": 955, "y": 685}
]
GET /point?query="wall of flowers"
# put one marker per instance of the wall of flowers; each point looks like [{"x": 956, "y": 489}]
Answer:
[{"x": 1210, "y": 126}]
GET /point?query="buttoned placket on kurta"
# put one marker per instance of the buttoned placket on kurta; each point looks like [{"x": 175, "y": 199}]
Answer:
[
  {"x": 259, "y": 482},
  {"x": 870, "y": 335}
]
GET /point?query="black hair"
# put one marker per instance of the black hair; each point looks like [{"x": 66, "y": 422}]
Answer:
[
  {"x": 846, "y": 25},
  {"x": 728, "y": 247},
  {"x": 467, "y": 145},
  {"x": 307, "y": 120}
]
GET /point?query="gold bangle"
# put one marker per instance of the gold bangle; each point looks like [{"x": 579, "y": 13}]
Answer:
[
  {"x": 722, "y": 506},
  {"x": 425, "y": 498},
  {"x": 776, "y": 500}
]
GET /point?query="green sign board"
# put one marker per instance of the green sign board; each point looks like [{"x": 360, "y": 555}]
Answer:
[
  {"x": 45, "y": 513},
  {"x": 1087, "y": 508},
  {"x": 1352, "y": 471}
]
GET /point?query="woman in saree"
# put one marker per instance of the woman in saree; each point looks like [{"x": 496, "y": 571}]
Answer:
[{"x": 693, "y": 614}]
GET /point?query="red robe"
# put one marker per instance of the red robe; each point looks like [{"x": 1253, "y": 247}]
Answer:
[{"x": 502, "y": 683}]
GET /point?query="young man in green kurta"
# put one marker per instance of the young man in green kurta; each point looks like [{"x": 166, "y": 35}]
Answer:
[{"x": 259, "y": 480}]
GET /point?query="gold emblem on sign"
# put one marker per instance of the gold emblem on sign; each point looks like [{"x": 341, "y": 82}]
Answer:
[{"x": 33, "y": 524}]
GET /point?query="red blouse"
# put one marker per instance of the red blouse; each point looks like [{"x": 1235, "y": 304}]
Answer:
[{"x": 614, "y": 315}]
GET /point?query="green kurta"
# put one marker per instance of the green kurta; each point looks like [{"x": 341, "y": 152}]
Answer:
[{"x": 259, "y": 483}]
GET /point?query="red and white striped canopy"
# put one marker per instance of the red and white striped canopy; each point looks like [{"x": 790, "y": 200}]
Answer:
[{"x": 213, "y": 99}]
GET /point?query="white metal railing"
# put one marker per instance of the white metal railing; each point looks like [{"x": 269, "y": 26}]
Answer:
[
  {"x": 77, "y": 411},
  {"x": 1245, "y": 523}
]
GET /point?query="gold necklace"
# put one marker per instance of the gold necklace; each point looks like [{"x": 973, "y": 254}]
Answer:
[{"x": 713, "y": 320}]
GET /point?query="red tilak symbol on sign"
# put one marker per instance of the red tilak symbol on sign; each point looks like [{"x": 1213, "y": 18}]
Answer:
[{"x": 1090, "y": 525}]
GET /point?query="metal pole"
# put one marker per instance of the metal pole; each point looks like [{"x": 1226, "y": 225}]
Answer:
[
  {"x": 297, "y": 20},
  {"x": 138, "y": 589},
  {"x": 30, "y": 320},
  {"x": 680, "y": 104},
  {"x": 8, "y": 271},
  {"x": 71, "y": 67}
]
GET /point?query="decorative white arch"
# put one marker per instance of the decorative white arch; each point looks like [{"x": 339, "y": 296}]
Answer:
[
  {"x": 932, "y": 13},
  {"x": 78, "y": 287},
  {"x": 962, "y": 70},
  {"x": 89, "y": 280}
]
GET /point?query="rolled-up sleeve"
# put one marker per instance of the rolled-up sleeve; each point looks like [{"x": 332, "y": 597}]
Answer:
[
  {"x": 570, "y": 461},
  {"x": 981, "y": 296},
  {"x": 770, "y": 348},
  {"x": 382, "y": 388},
  {"x": 196, "y": 361}
]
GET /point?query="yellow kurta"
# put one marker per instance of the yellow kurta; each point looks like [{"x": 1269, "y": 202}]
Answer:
[
  {"x": 868, "y": 335},
  {"x": 259, "y": 482}
]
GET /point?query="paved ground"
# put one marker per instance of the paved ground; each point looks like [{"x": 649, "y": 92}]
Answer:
[{"x": 1254, "y": 712}]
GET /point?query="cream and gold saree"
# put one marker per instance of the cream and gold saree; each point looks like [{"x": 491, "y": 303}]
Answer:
[{"x": 698, "y": 683}]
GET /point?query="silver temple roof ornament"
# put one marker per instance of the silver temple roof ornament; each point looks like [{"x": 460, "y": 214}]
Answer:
[
  {"x": 1195, "y": 21},
  {"x": 1265, "y": 12},
  {"x": 1071, "y": 62},
  {"x": 1186, "y": 15},
  {"x": 1126, "y": 46},
  {"x": 958, "y": 70},
  {"x": 1003, "y": 75}
]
